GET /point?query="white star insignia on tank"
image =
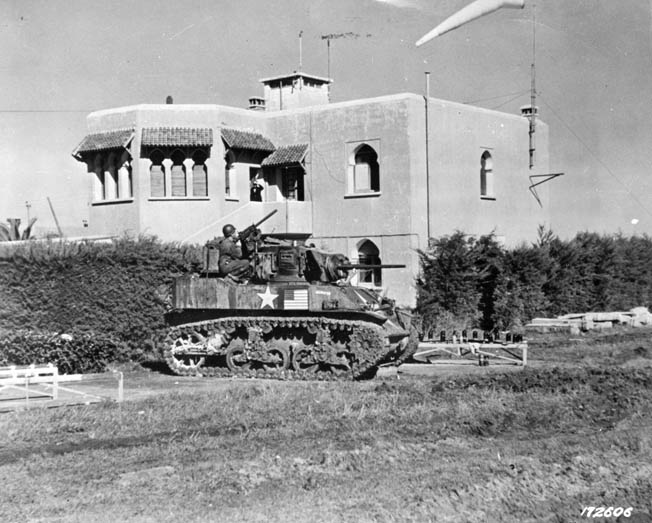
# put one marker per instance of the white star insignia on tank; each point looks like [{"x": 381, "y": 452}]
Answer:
[{"x": 268, "y": 298}]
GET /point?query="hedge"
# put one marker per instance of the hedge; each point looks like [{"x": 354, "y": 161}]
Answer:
[
  {"x": 470, "y": 281},
  {"x": 71, "y": 353},
  {"x": 120, "y": 290}
]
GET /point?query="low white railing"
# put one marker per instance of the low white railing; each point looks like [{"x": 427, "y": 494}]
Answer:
[{"x": 43, "y": 382}]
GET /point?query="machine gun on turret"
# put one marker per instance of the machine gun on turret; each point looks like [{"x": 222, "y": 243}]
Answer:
[
  {"x": 250, "y": 238},
  {"x": 252, "y": 230}
]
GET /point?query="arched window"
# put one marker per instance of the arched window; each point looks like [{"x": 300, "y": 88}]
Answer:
[
  {"x": 157, "y": 175},
  {"x": 364, "y": 171},
  {"x": 368, "y": 253},
  {"x": 486, "y": 175},
  {"x": 178, "y": 174},
  {"x": 199, "y": 174}
]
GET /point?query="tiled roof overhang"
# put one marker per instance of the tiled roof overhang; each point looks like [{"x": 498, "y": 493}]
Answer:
[
  {"x": 177, "y": 136},
  {"x": 286, "y": 155},
  {"x": 237, "y": 139},
  {"x": 104, "y": 141}
]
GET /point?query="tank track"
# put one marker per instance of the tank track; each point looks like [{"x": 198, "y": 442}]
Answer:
[{"x": 338, "y": 349}]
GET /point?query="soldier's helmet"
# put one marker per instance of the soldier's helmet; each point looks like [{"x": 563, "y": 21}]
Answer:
[{"x": 228, "y": 230}]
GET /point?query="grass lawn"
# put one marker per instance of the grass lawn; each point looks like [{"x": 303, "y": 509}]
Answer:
[{"x": 572, "y": 431}]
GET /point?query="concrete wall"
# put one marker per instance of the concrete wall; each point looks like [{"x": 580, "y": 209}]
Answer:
[
  {"x": 333, "y": 132},
  {"x": 458, "y": 135}
]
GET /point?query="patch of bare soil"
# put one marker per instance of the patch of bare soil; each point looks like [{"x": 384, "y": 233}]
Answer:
[{"x": 536, "y": 444}]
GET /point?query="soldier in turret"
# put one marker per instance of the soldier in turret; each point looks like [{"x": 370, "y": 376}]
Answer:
[{"x": 231, "y": 262}]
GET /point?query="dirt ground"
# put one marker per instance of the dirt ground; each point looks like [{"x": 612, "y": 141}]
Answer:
[
  {"x": 154, "y": 379},
  {"x": 467, "y": 444}
]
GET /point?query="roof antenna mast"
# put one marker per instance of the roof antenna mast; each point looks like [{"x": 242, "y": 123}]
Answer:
[
  {"x": 335, "y": 36},
  {"x": 300, "y": 51},
  {"x": 533, "y": 90}
]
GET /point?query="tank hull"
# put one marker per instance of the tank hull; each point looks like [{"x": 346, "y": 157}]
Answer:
[
  {"x": 284, "y": 330},
  {"x": 194, "y": 292}
]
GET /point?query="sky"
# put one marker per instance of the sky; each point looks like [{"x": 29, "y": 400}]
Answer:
[{"x": 62, "y": 59}]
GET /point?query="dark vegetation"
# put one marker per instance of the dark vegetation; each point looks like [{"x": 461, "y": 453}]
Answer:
[
  {"x": 111, "y": 298},
  {"x": 81, "y": 352},
  {"x": 475, "y": 282}
]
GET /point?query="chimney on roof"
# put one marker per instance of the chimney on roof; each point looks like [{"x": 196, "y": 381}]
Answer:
[
  {"x": 256, "y": 103},
  {"x": 169, "y": 100}
]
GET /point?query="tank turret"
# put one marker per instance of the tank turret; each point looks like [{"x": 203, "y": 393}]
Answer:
[{"x": 297, "y": 316}]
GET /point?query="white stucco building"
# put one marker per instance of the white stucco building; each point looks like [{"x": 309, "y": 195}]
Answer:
[{"x": 362, "y": 177}]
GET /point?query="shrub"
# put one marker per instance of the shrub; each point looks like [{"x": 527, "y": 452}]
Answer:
[
  {"x": 119, "y": 290},
  {"x": 71, "y": 353},
  {"x": 448, "y": 294},
  {"x": 474, "y": 282}
]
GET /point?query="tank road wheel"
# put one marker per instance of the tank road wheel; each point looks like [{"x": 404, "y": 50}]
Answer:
[
  {"x": 237, "y": 359},
  {"x": 305, "y": 360},
  {"x": 182, "y": 355},
  {"x": 276, "y": 359},
  {"x": 192, "y": 351},
  {"x": 342, "y": 367}
]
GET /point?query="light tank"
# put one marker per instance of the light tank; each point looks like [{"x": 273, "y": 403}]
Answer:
[{"x": 296, "y": 317}]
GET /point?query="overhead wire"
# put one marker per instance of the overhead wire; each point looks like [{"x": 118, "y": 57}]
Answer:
[
  {"x": 596, "y": 157},
  {"x": 507, "y": 101},
  {"x": 497, "y": 97}
]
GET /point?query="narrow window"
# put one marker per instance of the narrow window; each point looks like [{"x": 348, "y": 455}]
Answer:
[
  {"x": 98, "y": 185},
  {"x": 178, "y": 174},
  {"x": 292, "y": 179},
  {"x": 486, "y": 175},
  {"x": 364, "y": 170},
  {"x": 199, "y": 174},
  {"x": 125, "y": 182},
  {"x": 111, "y": 178},
  {"x": 255, "y": 184},
  {"x": 157, "y": 175},
  {"x": 230, "y": 172}
]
